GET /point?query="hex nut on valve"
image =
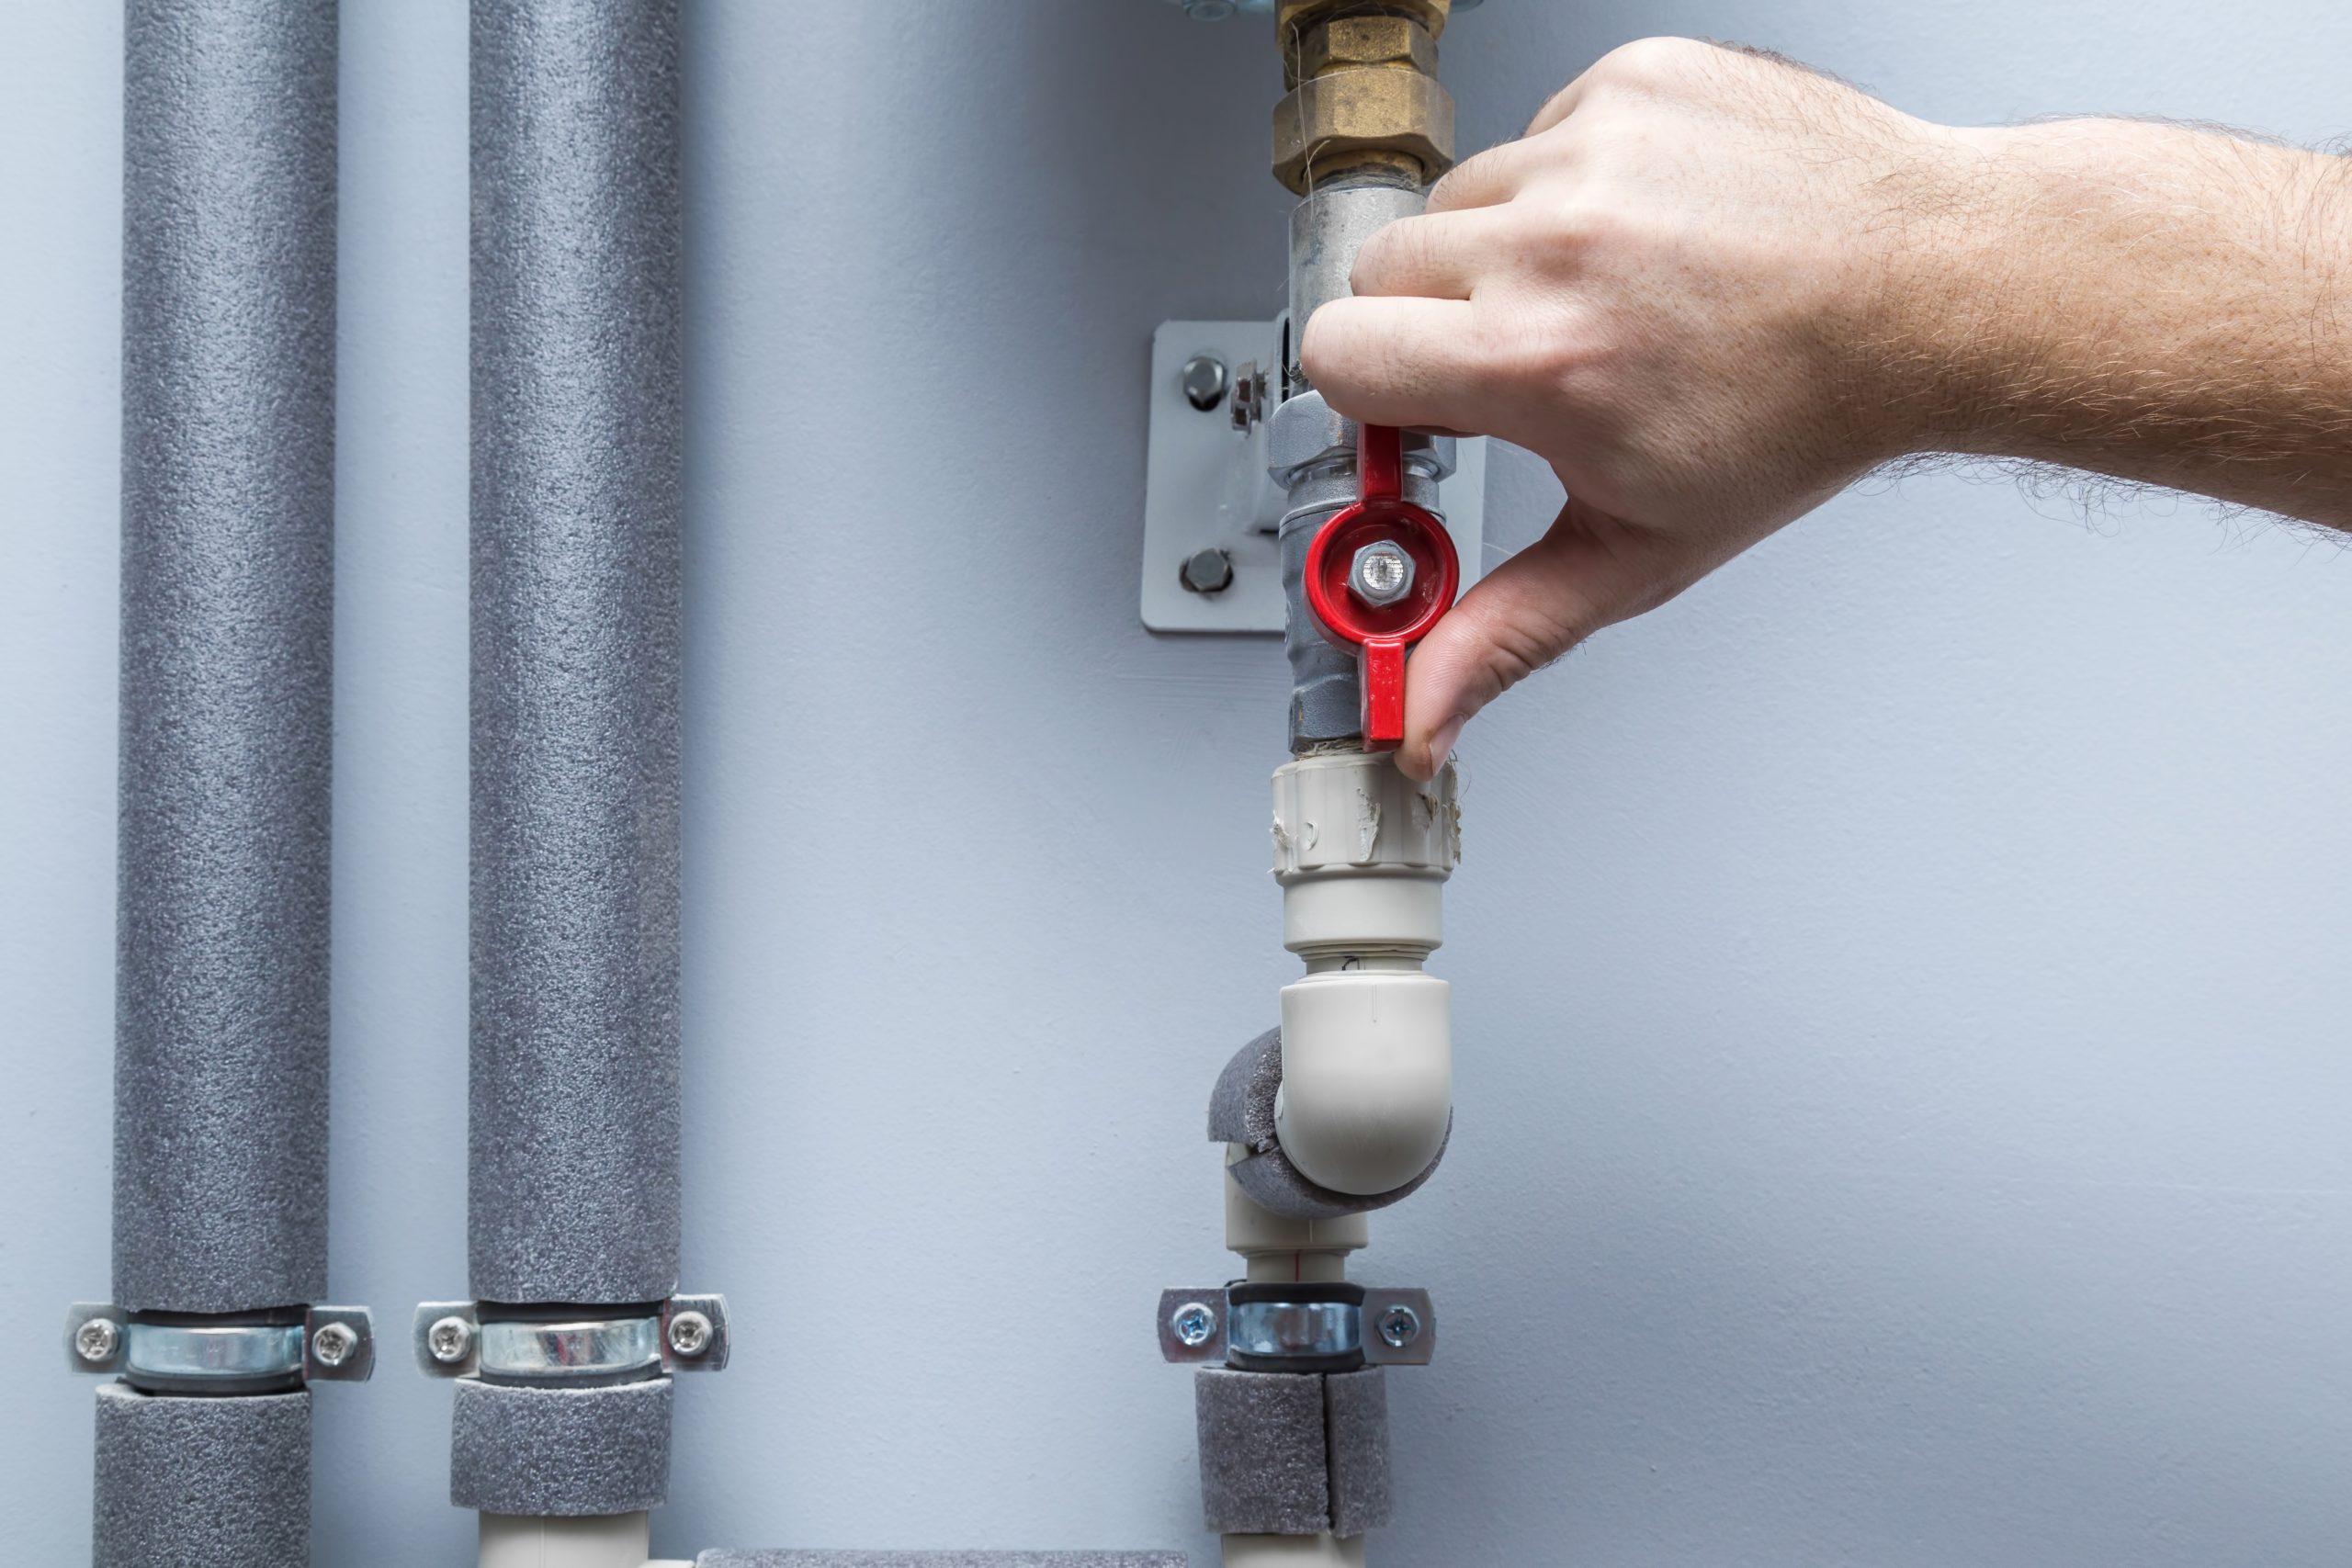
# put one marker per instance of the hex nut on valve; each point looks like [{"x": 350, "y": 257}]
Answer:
[{"x": 1381, "y": 574}]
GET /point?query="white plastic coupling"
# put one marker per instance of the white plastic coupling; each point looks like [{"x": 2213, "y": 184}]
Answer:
[
  {"x": 1363, "y": 853},
  {"x": 1292, "y": 1551},
  {"x": 593, "y": 1541}
]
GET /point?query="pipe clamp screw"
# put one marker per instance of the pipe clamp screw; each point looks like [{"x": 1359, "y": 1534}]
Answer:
[
  {"x": 449, "y": 1340},
  {"x": 1193, "y": 1322},
  {"x": 689, "y": 1334},
  {"x": 333, "y": 1344},
  {"x": 96, "y": 1340},
  {"x": 1399, "y": 1327}
]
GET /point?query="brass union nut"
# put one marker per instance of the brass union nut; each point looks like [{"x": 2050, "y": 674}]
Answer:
[
  {"x": 1291, "y": 14},
  {"x": 1354, "y": 116},
  {"x": 1350, "y": 41}
]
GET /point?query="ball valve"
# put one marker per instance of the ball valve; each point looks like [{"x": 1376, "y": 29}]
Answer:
[{"x": 1379, "y": 575}]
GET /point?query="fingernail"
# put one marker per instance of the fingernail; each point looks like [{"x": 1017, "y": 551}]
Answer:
[{"x": 1441, "y": 743}]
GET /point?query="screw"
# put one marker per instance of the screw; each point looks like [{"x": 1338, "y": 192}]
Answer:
[
  {"x": 449, "y": 1340},
  {"x": 1208, "y": 572},
  {"x": 690, "y": 1334},
  {"x": 333, "y": 1344},
  {"x": 1193, "y": 1322},
  {"x": 1399, "y": 1327},
  {"x": 1383, "y": 573},
  {"x": 1204, "y": 381},
  {"x": 95, "y": 1340}
]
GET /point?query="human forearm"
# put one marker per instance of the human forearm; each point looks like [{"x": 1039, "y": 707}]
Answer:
[{"x": 2157, "y": 303}]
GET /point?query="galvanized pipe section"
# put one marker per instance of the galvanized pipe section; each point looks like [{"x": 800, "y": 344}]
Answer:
[
  {"x": 228, "y": 543},
  {"x": 1326, "y": 229},
  {"x": 576, "y": 481}
]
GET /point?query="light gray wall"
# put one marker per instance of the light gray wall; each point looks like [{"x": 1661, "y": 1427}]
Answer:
[{"x": 1905, "y": 1099}]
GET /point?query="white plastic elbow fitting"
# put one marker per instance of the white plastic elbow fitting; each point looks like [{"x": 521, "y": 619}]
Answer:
[{"x": 1363, "y": 853}]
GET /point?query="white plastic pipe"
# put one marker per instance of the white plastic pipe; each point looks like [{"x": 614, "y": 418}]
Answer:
[
  {"x": 1293, "y": 1551},
  {"x": 1363, "y": 853},
  {"x": 595, "y": 1541}
]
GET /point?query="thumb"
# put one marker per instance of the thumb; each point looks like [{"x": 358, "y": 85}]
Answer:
[{"x": 1588, "y": 571}]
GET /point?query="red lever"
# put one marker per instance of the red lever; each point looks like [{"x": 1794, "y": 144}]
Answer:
[{"x": 1353, "y": 613}]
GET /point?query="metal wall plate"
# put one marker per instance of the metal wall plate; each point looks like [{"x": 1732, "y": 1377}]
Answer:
[{"x": 1205, "y": 489}]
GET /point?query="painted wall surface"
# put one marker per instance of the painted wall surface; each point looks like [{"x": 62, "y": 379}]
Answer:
[{"x": 1906, "y": 1094}]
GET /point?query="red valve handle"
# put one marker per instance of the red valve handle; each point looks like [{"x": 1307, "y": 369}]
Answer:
[{"x": 1380, "y": 633}]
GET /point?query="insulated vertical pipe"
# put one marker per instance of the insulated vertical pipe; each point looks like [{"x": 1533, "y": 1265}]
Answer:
[
  {"x": 228, "y": 533},
  {"x": 227, "y": 547},
  {"x": 573, "y": 1189},
  {"x": 576, "y": 459}
]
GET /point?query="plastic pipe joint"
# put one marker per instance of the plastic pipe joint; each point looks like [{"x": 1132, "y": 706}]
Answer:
[{"x": 1363, "y": 853}]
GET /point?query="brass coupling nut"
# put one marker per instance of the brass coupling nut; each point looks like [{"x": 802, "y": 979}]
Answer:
[
  {"x": 1292, "y": 16},
  {"x": 1362, "y": 114}
]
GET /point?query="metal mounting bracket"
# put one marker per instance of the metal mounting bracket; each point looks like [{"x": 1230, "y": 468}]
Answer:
[
  {"x": 1206, "y": 492},
  {"x": 332, "y": 1344},
  {"x": 1398, "y": 1325},
  {"x": 687, "y": 1333}
]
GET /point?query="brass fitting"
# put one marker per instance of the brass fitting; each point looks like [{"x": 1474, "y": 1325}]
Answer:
[{"x": 1364, "y": 90}]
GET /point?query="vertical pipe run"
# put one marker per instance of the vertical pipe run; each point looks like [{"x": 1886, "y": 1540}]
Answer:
[
  {"x": 228, "y": 545},
  {"x": 576, "y": 481},
  {"x": 228, "y": 539},
  {"x": 573, "y": 1173}
]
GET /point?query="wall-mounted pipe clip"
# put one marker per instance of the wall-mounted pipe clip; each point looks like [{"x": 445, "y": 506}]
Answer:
[
  {"x": 1387, "y": 1326},
  {"x": 574, "y": 1347},
  {"x": 198, "y": 1355}
]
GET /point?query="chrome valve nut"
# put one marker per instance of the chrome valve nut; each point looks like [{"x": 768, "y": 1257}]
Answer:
[{"x": 1381, "y": 573}]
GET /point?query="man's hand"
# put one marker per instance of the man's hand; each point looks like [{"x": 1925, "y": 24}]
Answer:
[{"x": 1713, "y": 288}]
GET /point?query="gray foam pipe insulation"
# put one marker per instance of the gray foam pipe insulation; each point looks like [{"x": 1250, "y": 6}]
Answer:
[
  {"x": 228, "y": 532},
  {"x": 574, "y": 1092}
]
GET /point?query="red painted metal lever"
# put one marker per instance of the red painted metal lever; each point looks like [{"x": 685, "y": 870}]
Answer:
[{"x": 1349, "y": 613}]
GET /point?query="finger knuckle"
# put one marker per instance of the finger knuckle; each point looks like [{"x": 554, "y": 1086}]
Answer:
[{"x": 1651, "y": 63}]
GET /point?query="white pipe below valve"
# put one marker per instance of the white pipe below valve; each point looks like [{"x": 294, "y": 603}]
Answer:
[
  {"x": 592, "y": 1541},
  {"x": 1292, "y": 1551},
  {"x": 1363, "y": 853}
]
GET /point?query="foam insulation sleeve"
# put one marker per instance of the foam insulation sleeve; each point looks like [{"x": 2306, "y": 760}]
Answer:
[
  {"x": 228, "y": 543},
  {"x": 574, "y": 1136},
  {"x": 1356, "y": 1429},
  {"x": 560, "y": 1452},
  {"x": 192, "y": 1483},
  {"x": 1263, "y": 1467},
  {"x": 1242, "y": 1111}
]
